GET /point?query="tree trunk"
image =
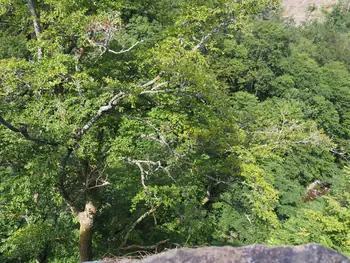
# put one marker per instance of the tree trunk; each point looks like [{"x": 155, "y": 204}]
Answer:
[
  {"x": 86, "y": 220},
  {"x": 42, "y": 257}
]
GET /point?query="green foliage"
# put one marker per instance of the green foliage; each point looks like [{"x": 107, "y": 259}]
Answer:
[{"x": 195, "y": 122}]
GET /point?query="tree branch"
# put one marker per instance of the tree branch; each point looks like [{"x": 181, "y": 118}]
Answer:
[
  {"x": 343, "y": 155},
  {"x": 145, "y": 247},
  {"x": 36, "y": 23},
  {"x": 211, "y": 32},
  {"x": 122, "y": 95},
  {"x": 103, "y": 109},
  {"x": 124, "y": 50},
  {"x": 116, "y": 99},
  {"x": 151, "y": 82},
  {"x": 61, "y": 180},
  {"x": 161, "y": 139},
  {"x": 142, "y": 173},
  {"x": 23, "y": 130},
  {"x": 136, "y": 223}
]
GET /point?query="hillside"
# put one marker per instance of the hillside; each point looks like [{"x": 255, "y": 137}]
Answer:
[{"x": 302, "y": 10}]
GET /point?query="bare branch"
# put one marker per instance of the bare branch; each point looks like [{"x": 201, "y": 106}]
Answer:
[
  {"x": 151, "y": 82},
  {"x": 343, "y": 155},
  {"x": 104, "y": 33},
  {"x": 169, "y": 91},
  {"x": 152, "y": 163},
  {"x": 216, "y": 180},
  {"x": 142, "y": 172},
  {"x": 123, "y": 50},
  {"x": 161, "y": 139},
  {"x": 104, "y": 183},
  {"x": 145, "y": 247},
  {"x": 161, "y": 85},
  {"x": 23, "y": 130},
  {"x": 211, "y": 32},
  {"x": 117, "y": 98},
  {"x": 103, "y": 109}
]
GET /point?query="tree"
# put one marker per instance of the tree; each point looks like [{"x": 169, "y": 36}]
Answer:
[{"x": 95, "y": 94}]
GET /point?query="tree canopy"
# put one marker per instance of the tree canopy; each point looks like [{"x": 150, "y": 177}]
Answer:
[{"x": 144, "y": 125}]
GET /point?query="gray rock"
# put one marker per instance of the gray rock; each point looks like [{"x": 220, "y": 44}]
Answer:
[{"x": 311, "y": 253}]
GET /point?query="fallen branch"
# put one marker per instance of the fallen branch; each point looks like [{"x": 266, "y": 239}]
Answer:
[{"x": 145, "y": 247}]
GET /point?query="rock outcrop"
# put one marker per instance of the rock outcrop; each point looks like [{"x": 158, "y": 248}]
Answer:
[
  {"x": 311, "y": 253},
  {"x": 306, "y": 10}
]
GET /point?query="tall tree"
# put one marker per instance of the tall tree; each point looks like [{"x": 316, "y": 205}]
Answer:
[{"x": 106, "y": 85}]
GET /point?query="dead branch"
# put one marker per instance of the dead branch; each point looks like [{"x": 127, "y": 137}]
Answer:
[
  {"x": 169, "y": 91},
  {"x": 342, "y": 155},
  {"x": 107, "y": 28},
  {"x": 161, "y": 85},
  {"x": 119, "y": 97},
  {"x": 145, "y": 247}
]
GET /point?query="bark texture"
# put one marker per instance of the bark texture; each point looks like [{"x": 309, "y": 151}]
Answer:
[{"x": 86, "y": 220}]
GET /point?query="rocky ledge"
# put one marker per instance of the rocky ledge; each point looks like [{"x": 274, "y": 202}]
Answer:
[{"x": 311, "y": 253}]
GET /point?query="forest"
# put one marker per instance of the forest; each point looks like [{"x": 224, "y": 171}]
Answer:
[{"x": 132, "y": 126}]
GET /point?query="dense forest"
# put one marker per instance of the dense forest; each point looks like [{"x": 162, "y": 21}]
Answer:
[{"x": 139, "y": 125}]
